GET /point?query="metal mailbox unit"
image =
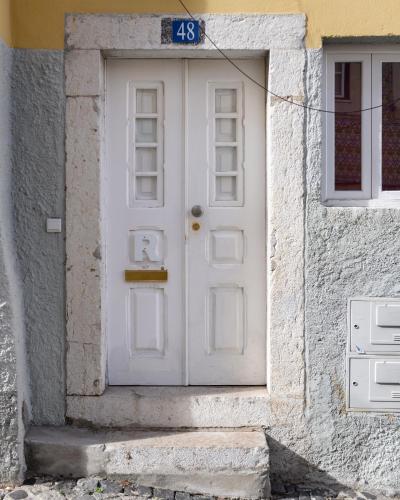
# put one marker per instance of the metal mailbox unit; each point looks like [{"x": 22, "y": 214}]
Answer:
[{"x": 373, "y": 354}]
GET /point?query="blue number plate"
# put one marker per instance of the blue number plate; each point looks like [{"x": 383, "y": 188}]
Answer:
[{"x": 186, "y": 31}]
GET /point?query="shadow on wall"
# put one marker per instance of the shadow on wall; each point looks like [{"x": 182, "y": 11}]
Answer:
[{"x": 289, "y": 472}]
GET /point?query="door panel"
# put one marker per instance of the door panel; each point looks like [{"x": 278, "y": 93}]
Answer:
[
  {"x": 145, "y": 214},
  {"x": 226, "y": 255},
  {"x": 181, "y": 134}
]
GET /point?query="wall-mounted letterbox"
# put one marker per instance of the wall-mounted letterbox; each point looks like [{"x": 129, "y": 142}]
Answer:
[
  {"x": 373, "y": 355},
  {"x": 374, "y": 384},
  {"x": 374, "y": 326}
]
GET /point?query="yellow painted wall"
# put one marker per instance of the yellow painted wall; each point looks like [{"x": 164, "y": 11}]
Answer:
[
  {"x": 40, "y": 23},
  {"x": 5, "y": 21}
]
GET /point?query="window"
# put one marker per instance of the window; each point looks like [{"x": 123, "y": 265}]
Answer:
[
  {"x": 362, "y": 148},
  {"x": 342, "y": 75}
]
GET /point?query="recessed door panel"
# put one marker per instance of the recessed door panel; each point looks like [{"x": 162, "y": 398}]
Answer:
[
  {"x": 226, "y": 320},
  {"x": 146, "y": 321},
  {"x": 226, "y": 247}
]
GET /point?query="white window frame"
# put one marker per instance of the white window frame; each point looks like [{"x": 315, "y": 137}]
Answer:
[
  {"x": 371, "y": 193},
  {"x": 342, "y": 74},
  {"x": 238, "y": 115},
  {"x": 377, "y": 60},
  {"x": 365, "y": 192}
]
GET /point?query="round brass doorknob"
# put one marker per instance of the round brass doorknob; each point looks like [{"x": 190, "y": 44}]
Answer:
[{"x": 197, "y": 211}]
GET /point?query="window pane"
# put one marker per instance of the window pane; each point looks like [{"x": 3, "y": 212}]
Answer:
[
  {"x": 225, "y": 159},
  {"x": 146, "y": 101},
  {"x": 225, "y": 130},
  {"x": 146, "y": 129},
  {"x": 146, "y": 159},
  {"x": 146, "y": 188},
  {"x": 225, "y": 100},
  {"x": 390, "y": 127},
  {"x": 347, "y": 126},
  {"x": 226, "y": 188}
]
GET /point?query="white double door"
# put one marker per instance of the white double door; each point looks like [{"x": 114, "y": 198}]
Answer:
[{"x": 185, "y": 192}]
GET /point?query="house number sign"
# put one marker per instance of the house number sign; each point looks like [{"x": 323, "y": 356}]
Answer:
[
  {"x": 185, "y": 31},
  {"x": 182, "y": 31}
]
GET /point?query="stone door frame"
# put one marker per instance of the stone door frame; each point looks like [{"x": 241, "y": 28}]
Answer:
[{"x": 90, "y": 40}]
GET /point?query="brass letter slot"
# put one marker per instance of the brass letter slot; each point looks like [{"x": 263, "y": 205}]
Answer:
[{"x": 146, "y": 275}]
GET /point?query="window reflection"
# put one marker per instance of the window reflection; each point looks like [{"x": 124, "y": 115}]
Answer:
[
  {"x": 390, "y": 126},
  {"x": 342, "y": 82},
  {"x": 348, "y": 97}
]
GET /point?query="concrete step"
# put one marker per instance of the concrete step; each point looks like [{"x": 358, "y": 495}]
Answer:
[
  {"x": 214, "y": 463},
  {"x": 174, "y": 407}
]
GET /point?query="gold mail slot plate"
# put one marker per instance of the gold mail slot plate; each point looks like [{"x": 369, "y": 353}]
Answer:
[{"x": 146, "y": 275}]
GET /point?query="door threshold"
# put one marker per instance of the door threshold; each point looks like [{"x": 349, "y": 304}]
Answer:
[{"x": 172, "y": 407}]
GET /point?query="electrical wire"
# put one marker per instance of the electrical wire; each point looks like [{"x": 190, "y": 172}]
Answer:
[{"x": 285, "y": 99}]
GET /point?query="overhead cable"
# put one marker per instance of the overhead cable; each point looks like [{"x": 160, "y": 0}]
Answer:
[{"x": 285, "y": 99}]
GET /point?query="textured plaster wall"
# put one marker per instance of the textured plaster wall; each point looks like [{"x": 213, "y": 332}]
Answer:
[
  {"x": 13, "y": 394},
  {"x": 349, "y": 251},
  {"x": 38, "y": 193}
]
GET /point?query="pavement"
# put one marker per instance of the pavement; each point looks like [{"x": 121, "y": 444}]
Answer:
[{"x": 98, "y": 488}]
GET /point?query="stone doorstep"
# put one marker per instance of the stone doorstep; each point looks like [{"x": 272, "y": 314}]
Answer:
[
  {"x": 172, "y": 407},
  {"x": 215, "y": 463}
]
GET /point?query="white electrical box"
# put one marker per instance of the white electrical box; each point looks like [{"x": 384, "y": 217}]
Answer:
[
  {"x": 53, "y": 225},
  {"x": 373, "y": 354}
]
